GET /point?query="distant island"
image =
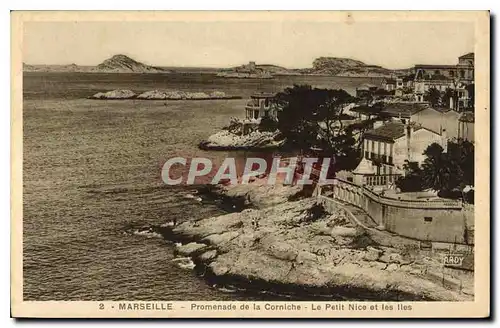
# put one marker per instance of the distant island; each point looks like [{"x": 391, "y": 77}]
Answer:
[
  {"x": 115, "y": 64},
  {"x": 322, "y": 66}
]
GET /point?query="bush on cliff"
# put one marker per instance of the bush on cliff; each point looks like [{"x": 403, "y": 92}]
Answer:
[{"x": 268, "y": 124}]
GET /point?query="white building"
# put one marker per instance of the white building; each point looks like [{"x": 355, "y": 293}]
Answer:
[{"x": 387, "y": 148}]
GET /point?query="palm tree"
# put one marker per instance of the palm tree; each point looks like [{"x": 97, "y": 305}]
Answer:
[
  {"x": 433, "y": 96},
  {"x": 440, "y": 171}
]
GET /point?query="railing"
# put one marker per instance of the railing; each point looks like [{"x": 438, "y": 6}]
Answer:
[{"x": 407, "y": 203}]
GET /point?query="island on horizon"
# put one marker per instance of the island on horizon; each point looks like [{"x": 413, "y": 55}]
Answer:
[{"x": 322, "y": 66}]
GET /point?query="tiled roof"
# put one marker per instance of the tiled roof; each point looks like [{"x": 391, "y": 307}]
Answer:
[
  {"x": 389, "y": 131},
  {"x": 469, "y": 55},
  {"x": 404, "y": 110}
]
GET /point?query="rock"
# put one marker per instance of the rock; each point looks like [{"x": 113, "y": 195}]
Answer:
[
  {"x": 115, "y": 94},
  {"x": 305, "y": 256},
  {"x": 218, "y": 94},
  {"x": 218, "y": 269},
  {"x": 392, "y": 258},
  {"x": 283, "y": 251},
  {"x": 216, "y": 239},
  {"x": 343, "y": 231},
  {"x": 228, "y": 140},
  {"x": 392, "y": 267},
  {"x": 153, "y": 94},
  {"x": 372, "y": 254},
  {"x": 378, "y": 265},
  {"x": 190, "y": 248},
  {"x": 208, "y": 256}
]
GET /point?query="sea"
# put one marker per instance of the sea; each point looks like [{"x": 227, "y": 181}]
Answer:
[{"x": 92, "y": 182}]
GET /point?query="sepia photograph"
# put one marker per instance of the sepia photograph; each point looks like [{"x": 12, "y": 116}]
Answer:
[{"x": 304, "y": 164}]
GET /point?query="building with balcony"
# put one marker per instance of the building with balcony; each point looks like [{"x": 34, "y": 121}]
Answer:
[
  {"x": 261, "y": 105},
  {"x": 443, "y": 77},
  {"x": 388, "y": 147}
]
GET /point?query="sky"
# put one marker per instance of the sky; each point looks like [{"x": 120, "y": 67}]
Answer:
[{"x": 225, "y": 44}]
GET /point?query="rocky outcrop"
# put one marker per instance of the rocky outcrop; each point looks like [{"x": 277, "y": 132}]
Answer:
[
  {"x": 115, "y": 94},
  {"x": 125, "y": 64},
  {"x": 178, "y": 95},
  {"x": 226, "y": 140},
  {"x": 245, "y": 75},
  {"x": 296, "y": 246},
  {"x": 346, "y": 67},
  {"x": 162, "y": 95}
]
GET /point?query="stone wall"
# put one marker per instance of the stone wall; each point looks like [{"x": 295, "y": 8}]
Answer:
[{"x": 436, "y": 221}]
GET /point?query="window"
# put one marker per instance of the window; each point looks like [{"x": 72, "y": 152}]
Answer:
[
  {"x": 390, "y": 160},
  {"x": 436, "y": 71},
  {"x": 266, "y": 102},
  {"x": 452, "y": 73},
  {"x": 367, "y": 154},
  {"x": 256, "y": 114},
  {"x": 427, "y": 219},
  {"x": 462, "y": 73}
]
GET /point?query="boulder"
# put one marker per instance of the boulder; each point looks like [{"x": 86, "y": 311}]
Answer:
[
  {"x": 190, "y": 248},
  {"x": 208, "y": 256},
  {"x": 217, "y": 239}
]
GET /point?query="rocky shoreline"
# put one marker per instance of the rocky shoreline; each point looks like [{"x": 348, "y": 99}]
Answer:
[
  {"x": 227, "y": 140},
  {"x": 289, "y": 244}
]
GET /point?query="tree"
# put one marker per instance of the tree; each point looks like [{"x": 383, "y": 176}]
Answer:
[
  {"x": 447, "y": 96},
  {"x": 412, "y": 181},
  {"x": 268, "y": 124},
  {"x": 453, "y": 169},
  {"x": 314, "y": 118},
  {"x": 471, "y": 91},
  {"x": 433, "y": 96}
]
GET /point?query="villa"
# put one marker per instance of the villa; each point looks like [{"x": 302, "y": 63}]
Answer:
[
  {"x": 443, "y": 77},
  {"x": 261, "y": 105},
  {"x": 388, "y": 147}
]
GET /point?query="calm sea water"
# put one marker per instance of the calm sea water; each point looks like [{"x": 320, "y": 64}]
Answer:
[{"x": 91, "y": 173}]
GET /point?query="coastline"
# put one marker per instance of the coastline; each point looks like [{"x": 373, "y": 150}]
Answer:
[{"x": 278, "y": 241}]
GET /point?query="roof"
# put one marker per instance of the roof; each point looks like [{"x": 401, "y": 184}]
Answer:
[
  {"x": 390, "y": 131},
  {"x": 432, "y": 77},
  {"x": 435, "y": 66},
  {"x": 364, "y": 167},
  {"x": 362, "y": 109},
  {"x": 263, "y": 95},
  {"x": 393, "y": 130},
  {"x": 439, "y": 77},
  {"x": 405, "y": 110},
  {"x": 467, "y": 117},
  {"x": 470, "y": 55}
]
